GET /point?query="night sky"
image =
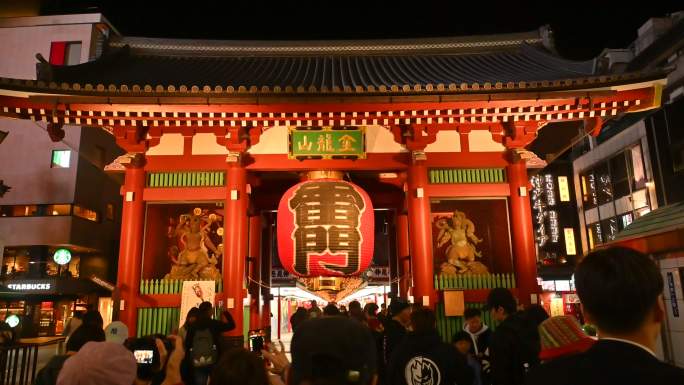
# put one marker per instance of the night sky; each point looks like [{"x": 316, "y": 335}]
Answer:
[{"x": 581, "y": 28}]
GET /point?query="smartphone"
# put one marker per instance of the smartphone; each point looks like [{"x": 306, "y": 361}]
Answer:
[
  {"x": 144, "y": 357},
  {"x": 256, "y": 344}
]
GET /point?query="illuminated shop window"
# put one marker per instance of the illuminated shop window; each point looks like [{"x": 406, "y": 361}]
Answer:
[
  {"x": 58, "y": 210},
  {"x": 625, "y": 220},
  {"x": 595, "y": 235},
  {"x": 610, "y": 228},
  {"x": 604, "y": 187},
  {"x": 20, "y": 211},
  {"x": 589, "y": 194},
  {"x": 85, "y": 213},
  {"x": 61, "y": 158}
]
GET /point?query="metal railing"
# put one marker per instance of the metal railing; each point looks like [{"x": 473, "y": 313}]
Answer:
[{"x": 19, "y": 362}]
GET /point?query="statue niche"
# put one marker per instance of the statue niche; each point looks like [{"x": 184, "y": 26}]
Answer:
[
  {"x": 193, "y": 254},
  {"x": 457, "y": 233}
]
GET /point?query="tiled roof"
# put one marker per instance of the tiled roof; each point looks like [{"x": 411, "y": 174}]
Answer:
[
  {"x": 480, "y": 63},
  {"x": 330, "y": 71},
  {"x": 663, "y": 219}
]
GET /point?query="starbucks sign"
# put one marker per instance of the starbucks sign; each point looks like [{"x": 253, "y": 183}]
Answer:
[{"x": 62, "y": 256}]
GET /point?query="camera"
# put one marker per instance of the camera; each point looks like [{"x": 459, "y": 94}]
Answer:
[
  {"x": 147, "y": 355},
  {"x": 256, "y": 341}
]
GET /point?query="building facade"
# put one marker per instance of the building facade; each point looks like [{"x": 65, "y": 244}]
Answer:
[
  {"x": 60, "y": 220},
  {"x": 628, "y": 177}
]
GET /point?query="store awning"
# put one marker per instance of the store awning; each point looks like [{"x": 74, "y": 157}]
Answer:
[
  {"x": 659, "y": 231},
  {"x": 23, "y": 287}
]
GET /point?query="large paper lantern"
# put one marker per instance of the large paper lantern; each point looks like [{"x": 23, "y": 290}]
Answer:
[{"x": 325, "y": 228}]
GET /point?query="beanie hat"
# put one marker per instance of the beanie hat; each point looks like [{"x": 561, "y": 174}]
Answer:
[
  {"x": 562, "y": 335},
  {"x": 99, "y": 363}
]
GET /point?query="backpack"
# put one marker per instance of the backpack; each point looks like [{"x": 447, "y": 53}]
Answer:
[{"x": 203, "y": 351}]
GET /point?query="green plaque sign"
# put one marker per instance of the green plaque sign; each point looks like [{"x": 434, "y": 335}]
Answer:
[{"x": 327, "y": 143}]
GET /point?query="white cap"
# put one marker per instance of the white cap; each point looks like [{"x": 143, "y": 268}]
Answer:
[{"x": 116, "y": 331}]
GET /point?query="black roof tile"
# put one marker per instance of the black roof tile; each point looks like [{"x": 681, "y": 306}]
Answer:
[{"x": 323, "y": 65}]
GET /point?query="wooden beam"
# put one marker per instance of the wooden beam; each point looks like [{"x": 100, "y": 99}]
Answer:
[
  {"x": 184, "y": 194},
  {"x": 466, "y": 159},
  {"x": 468, "y": 190},
  {"x": 373, "y": 162}
]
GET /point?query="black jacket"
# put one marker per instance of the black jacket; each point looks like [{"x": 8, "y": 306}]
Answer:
[
  {"x": 49, "y": 373},
  {"x": 393, "y": 335},
  {"x": 425, "y": 359},
  {"x": 514, "y": 349},
  {"x": 607, "y": 363}
]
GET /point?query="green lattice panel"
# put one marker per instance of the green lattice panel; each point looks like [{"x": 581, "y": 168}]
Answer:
[
  {"x": 467, "y": 175},
  {"x": 186, "y": 179}
]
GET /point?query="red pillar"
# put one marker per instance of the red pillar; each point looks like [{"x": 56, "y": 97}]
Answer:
[
  {"x": 130, "y": 246},
  {"x": 254, "y": 271},
  {"x": 234, "y": 241},
  {"x": 524, "y": 256},
  {"x": 403, "y": 253},
  {"x": 420, "y": 235}
]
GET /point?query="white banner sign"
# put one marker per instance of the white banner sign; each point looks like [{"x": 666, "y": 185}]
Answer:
[{"x": 193, "y": 294}]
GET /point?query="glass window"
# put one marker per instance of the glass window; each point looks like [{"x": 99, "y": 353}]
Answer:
[
  {"x": 619, "y": 176},
  {"x": 58, "y": 210},
  {"x": 610, "y": 228},
  {"x": 643, "y": 211},
  {"x": 637, "y": 167},
  {"x": 65, "y": 52},
  {"x": 85, "y": 213},
  {"x": 625, "y": 220},
  {"x": 604, "y": 188},
  {"x": 595, "y": 235},
  {"x": 72, "y": 56},
  {"x": 618, "y": 167},
  {"x": 25, "y": 210},
  {"x": 589, "y": 196},
  {"x": 61, "y": 158},
  {"x": 640, "y": 199}
]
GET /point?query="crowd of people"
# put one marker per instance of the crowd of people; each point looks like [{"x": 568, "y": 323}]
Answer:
[{"x": 620, "y": 290}]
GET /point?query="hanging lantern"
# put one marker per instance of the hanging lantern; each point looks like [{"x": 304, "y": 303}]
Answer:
[{"x": 325, "y": 228}]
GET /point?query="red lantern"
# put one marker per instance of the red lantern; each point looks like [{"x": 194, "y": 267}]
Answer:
[{"x": 325, "y": 228}]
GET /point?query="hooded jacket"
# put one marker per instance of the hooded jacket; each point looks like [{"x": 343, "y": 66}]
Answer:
[
  {"x": 424, "y": 359},
  {"x": 480, "y": 339}
]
